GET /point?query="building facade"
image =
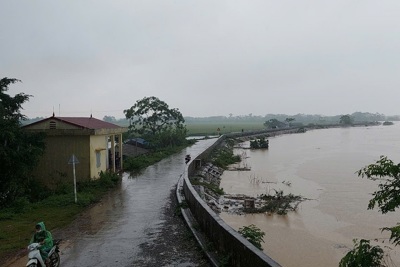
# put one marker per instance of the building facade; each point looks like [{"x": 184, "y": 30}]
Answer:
[{"x": 95, "y": 143}]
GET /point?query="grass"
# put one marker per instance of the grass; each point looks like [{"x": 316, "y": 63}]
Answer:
[
  {"x": 57, "y": 211},
  {"x": 136, "y": 164}
]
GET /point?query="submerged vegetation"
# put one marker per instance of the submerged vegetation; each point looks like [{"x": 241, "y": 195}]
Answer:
[
  {"x": 278, "y": 203},
  {"x": 259, "y": 143}
]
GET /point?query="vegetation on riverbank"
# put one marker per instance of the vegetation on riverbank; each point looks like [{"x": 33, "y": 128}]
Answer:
[{"x": 136, "y": 164}]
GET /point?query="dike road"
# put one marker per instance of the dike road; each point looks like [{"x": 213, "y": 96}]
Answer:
[{"x": 136, "y": 224}]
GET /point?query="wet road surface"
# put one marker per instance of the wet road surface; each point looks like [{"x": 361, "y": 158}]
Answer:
[
  {"x": 134, "y": 225},
  {"x": 115, "y": 232}
]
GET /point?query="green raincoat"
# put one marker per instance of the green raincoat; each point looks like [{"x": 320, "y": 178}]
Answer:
[{"x": 45, "y": 236}]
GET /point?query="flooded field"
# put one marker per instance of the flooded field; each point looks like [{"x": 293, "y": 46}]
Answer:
[{"x": 319, "y": 165}]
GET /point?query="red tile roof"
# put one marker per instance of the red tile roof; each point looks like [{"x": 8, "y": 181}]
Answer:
[{"x": 89, "y": 123}]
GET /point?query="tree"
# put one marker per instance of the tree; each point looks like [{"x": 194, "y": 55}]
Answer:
[
  {"x": 152, "y": 118},
  {"x": 19, "y": 150},
  {"x": 345, "y": 119},
  {"x": 387, "y": 198},
  {"x": 288, "y": 120},
  {"x": 274, "y": 123},
  {"x": 110, "y": 119}
]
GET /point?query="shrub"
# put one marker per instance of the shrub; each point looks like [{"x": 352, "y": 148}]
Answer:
[
  {"x": 253, "y": 234},
  {"x": 363, "y": 254}
]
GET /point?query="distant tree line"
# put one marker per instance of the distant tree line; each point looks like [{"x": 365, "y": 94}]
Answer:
[{"x": 304, "y": 119}]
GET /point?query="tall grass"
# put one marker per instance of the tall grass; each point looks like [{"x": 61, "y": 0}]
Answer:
[{"x": 57, "y": 210}]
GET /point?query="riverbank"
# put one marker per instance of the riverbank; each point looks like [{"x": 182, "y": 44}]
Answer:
[{"x": 321, "y": 166}]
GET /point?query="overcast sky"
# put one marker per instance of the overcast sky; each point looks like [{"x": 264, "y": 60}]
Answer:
[{"x": 206, "y": 58}]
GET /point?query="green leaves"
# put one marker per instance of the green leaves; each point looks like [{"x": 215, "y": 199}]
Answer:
[
  {"x": 253, "y": 234},
  {"x": 394, "y": 234},
  {"x": 363, "y": 254},
  {"x": 387, "y": 173},
  {"x": 151, "y": 117},
  {"x": 19, "y": 151}
]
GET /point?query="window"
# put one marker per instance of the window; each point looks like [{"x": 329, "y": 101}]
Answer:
[{"x": 98, "y": 159}]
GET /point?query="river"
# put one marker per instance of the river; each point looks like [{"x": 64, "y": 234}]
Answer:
[{"x": 321, "y": 166}]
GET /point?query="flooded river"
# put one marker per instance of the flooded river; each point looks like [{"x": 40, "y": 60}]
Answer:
[{"x": 319, "y": 165}]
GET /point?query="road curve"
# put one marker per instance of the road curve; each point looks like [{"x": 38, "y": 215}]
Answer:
[{"x": 111, "y": 233}]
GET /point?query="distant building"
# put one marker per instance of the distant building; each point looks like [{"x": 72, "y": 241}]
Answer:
[
  {"x": 139, "y": 142},
  {"x": 85, "y": 137}
]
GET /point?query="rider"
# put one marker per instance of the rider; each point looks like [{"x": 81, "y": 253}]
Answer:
[{"x": 44, "y": 238}]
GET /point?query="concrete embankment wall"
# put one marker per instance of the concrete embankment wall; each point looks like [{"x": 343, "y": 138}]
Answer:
[{"x": 225, "y": 240}]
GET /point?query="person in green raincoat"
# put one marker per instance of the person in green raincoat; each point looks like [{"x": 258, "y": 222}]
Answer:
[{"x": 43, "y": 237}]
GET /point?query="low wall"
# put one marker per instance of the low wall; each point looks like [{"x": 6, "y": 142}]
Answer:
[{"x": 225, "y": 240}]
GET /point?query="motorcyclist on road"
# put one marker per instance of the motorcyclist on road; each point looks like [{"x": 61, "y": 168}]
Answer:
[{"x": 44, "y": 238}]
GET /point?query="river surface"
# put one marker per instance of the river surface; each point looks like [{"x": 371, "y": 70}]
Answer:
[{"x": 321, "y": 166}]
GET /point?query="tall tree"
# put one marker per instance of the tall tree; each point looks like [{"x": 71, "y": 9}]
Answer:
[
  {"x": 288, "y": 120},
  {"x": 19, "y": 151},
  {"x": 346, "y": 119},
  {"x": 152, "y": 117}
]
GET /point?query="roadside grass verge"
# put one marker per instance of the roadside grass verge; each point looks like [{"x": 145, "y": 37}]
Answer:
[
  {"x": 137, "y": 164},
  {"x": 59, "y": 209},
  {"x": 56, "y": 211}
]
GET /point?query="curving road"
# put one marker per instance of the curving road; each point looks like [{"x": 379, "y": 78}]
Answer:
[
  {"x": 113, "y": 233},
  {"x": 134, "y": 225}
]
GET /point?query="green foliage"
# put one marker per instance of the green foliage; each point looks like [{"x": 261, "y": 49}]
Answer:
[
  {"x": 273, "y": 123},
  {"x": 394, "y": 234},
  {"x": 362, "y": 255},
  {"x": 223, "y": 157},
  {"x": 154, "y": 120},
  {"x": 57, "y": 210},
  {"x": 259, "y": 143},
  {"x": 278, "y": 203},
  {"x": 289, "y": 120},
  {"x": 225, "y": 260},
  {"x": 387, "y": 173},
  {"x": 346, "y": 119},
  {"x": 212, "y": 187},
  {"x": 387, "y": 198},
  {"x": 167, "y": 138},
  {"x": 253, "y": 234},
  {"x": 19, "y": 150},
  {"x": 136, "y": 164}
]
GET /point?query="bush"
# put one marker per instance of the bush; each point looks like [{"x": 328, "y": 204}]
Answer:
[
  {"x": 363, "y": 254},
  {"x": 253, "y": 234}
]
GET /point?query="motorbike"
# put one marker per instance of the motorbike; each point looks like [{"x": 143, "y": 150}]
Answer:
[{"x": 36, "y": 260}]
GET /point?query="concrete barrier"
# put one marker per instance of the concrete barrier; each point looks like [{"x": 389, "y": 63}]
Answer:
[{"x": 230, "y": 244}]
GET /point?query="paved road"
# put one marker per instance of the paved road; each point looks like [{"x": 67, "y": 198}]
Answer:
[{"x": 115, "y": 232}]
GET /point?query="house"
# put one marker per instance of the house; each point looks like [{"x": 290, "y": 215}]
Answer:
[
  {"x": 139, "y": 142},
  {"x": 87, "y": 138}
]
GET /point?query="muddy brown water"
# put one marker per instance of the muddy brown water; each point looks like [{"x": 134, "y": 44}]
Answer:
[{"x": 319, "y": 165}]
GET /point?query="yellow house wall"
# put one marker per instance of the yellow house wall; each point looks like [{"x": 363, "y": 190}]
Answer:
[
  {"x": 98, "y": 144},
  {"x": 53, "y": 168}
]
